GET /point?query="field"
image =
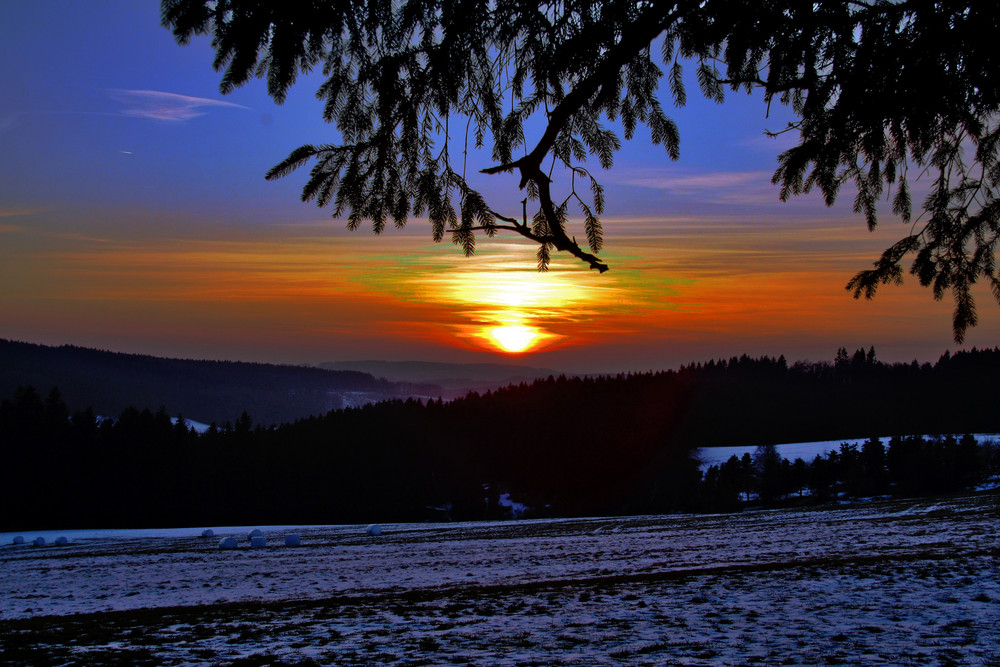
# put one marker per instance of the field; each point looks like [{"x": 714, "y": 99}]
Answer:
[{"x": 884, "y": 582}]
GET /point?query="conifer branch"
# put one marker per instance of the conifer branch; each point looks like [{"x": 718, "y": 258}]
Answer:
[{"x": 874, "y": 86}]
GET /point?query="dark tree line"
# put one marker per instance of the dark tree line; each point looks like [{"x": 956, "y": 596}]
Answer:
[
  {"x": 909, "y": 466},
  {"x": 745, "y": 400},
  {"x": 563, "y": 446},
  {"x": 395, "y": 460}
]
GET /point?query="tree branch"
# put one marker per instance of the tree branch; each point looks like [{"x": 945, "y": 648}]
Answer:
[
  {"x": 647, "y": 28},
  {"x": 558, "y": 236}
]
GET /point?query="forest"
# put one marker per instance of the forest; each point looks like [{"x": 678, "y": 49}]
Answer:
[
  {"x": 110, "y": 382},
  {"x": 909, "y": 466},
  {"x": 562, "y": 446}
]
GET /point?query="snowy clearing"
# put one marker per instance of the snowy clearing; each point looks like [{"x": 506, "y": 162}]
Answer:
[
  {"x": 888, "y": 582},
  {"x": 807, "y": 451}
]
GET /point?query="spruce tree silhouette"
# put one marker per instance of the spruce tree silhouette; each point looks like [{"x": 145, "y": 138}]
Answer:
[{"x": 880, "y": 90}]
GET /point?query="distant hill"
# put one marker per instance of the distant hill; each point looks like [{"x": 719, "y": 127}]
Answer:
[
  {"x": 206, "y": 391},
  {"x": 455, "y": 379}
]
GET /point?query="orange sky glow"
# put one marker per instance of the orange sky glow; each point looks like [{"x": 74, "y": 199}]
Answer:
[{"x": 677, "y": 289}]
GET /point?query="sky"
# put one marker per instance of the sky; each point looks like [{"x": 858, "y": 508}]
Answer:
[{"x": 135, "y": 217}]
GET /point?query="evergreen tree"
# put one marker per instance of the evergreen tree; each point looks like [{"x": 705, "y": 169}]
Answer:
[
  {"x": 873, "y": 463},
  {"x": 768, "y": 470},
  {"x": 878, "y": 88},
  {"x": 822, "y": 478},
  {"x": 799, "y": 476}
]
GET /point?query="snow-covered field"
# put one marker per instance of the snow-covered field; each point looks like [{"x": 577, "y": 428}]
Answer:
[{"x": 888, "y": 582}]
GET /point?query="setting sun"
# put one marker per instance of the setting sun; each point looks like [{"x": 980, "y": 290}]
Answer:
[
  {"x": 508, "y": 308},
  {"x": 514, "y": 339}
]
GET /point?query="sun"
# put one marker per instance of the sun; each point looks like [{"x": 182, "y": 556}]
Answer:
[
  {"x": 514, "y": 338},
  {"x": 502, "y": 307}
]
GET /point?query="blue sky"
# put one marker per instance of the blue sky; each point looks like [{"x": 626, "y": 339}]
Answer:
[{"x": 95, "y": 112}]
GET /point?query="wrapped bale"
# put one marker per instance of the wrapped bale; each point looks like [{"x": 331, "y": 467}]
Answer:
[
  {"x": 228, "y": 543},
  {"x": 19, "y": 539},
  {"x": 208, "y": 532},
  {"x": 293, "y": 540},
  {"x": 254, "y": 533},
  {"x": 374, "y": 530},
  {"x": 39, "y": 542},
  {"x": 257, "y": 542},
  {"x": 62, "y": 541}
]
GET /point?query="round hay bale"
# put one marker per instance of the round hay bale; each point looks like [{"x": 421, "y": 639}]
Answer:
[
  {"x": 293, "y": 540},
  {"x": 19, "y": 539},
  {"x": 208, "y": 532},
  {"x": 257, "y": 542},
  {"x": 254, "y": 533},
  {"x": 374, "y": 530},
  {"x": 39, "y": 542},
  {"x": 61, "y": 541},
  {"x": 228, "y": 543}
]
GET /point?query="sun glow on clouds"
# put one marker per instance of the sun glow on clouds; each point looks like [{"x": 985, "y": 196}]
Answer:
[
  {"x": 508, "y": 306},
  {"x": 687, "y": 288},
  {"x": 311, "y": 289}
]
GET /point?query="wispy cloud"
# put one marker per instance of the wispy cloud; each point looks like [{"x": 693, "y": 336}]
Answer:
[
  {"x": 18, "y": 211},
  {"x": 158, "y": 105},
  {"x": 740, "y": 188},
  {"x": 686, "y": 183}
]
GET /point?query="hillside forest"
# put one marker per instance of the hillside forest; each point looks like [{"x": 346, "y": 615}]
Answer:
[{"x": 562, "y": 446}]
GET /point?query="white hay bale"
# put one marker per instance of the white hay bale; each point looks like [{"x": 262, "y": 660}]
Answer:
[
  {"x": 208, "y": 532},
  {"x": 61, "y": 541},
  {"x": 39, "y": 542},
  {"x": 374, "y": 530},
  {"x": 293, "y": 540},
  {"x": 254, "y": 533},
  {"x": 19, "y": 539},
  {"x": 228, "y": 543},
  {"x": 257, "y": 542}
]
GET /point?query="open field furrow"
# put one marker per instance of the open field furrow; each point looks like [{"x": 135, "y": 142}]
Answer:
[{"x": 879, "y": 583}]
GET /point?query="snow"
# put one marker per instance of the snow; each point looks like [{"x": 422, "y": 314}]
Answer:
[
  {"x": 991, "y": 484},
  {"x": 140, "y": 533},
  {"x": 517, "y": 509},
  {"x": 887, "y": 582},
  {"x": 807, "y": 451},
  {"x": 418, "y": 555},
  {"x": 199, "y": 427}
]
